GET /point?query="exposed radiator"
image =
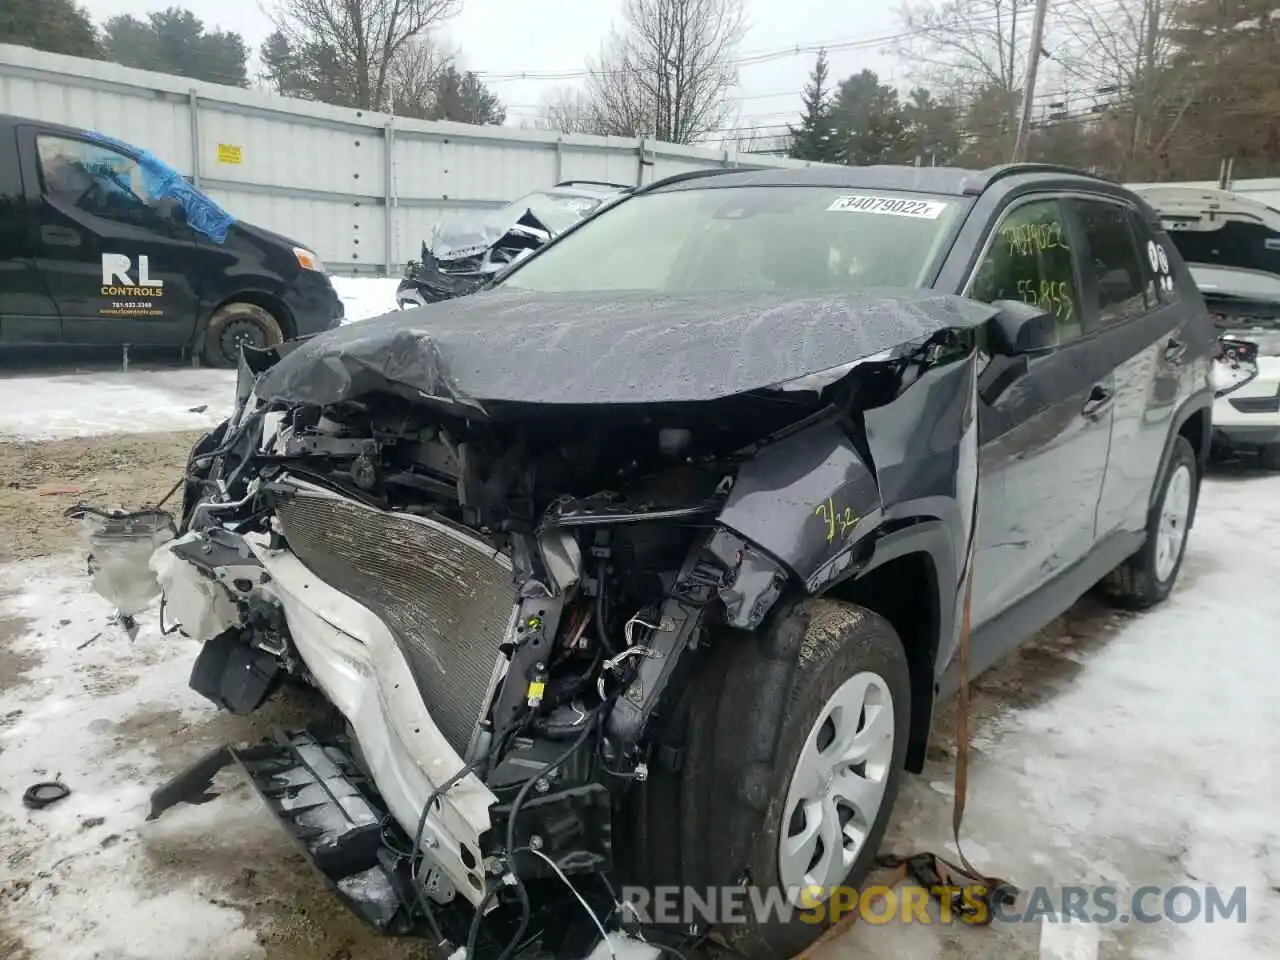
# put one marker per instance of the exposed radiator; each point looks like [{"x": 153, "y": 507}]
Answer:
[{"x": 448, "y": 598}]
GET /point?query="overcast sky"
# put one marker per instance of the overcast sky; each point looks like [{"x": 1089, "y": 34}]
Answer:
[{"x": 498, "y": 37}]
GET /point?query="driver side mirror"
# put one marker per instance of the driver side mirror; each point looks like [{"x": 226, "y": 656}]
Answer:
[{"x": 1021, "y": 328}]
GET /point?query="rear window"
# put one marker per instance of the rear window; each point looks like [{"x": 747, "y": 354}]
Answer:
[{"x": 801, "y": 239}]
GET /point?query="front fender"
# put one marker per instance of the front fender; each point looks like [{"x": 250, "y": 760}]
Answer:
[{"x": 806, "y": 500}]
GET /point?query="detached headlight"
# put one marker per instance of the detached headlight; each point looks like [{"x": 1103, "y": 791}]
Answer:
[
  {"x": 1234, "y": 365},
  {"x": 308, "y": 260}
]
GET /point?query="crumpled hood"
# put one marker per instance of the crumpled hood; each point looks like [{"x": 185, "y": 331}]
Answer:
[
  {"x": 468, "y": 236},
  {"x": 515, "y": 346}
]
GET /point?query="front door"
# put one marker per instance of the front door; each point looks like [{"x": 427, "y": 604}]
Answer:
[
  {"x": 1045, "y": 438},
  {"x": 120, "y": 267},
  {"x": 27, "y": 311}
]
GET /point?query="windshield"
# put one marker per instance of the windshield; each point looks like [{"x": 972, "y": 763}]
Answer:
[
  {"x": 557, "y": 211},
  {"x": 803, "y": 239}
]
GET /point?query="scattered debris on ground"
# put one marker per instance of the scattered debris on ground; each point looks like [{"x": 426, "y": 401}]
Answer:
[{"x": 127, "y": 469}]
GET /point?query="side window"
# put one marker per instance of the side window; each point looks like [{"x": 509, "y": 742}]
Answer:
[
  {"x": 1030, "y": 259},
  {"x": 1157, "y": 258},
  {"x": 1125, "y": 290},
  {"x": 97, "y": 180}
]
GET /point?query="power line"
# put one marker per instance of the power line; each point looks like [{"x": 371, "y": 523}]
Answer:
[{"x": 991, "y": 20}]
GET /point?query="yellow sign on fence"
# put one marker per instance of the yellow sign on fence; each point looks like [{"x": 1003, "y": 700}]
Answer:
[{"x": 228, "y": 153}]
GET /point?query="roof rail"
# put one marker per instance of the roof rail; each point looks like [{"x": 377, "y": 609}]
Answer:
[
  {"x": 687, "y": 175},
  {"x": 1000, "y": 171},
  {"x": 594, "y": 183}
]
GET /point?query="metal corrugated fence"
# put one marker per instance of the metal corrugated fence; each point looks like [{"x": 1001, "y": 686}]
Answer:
[{"x": 363, "y": 189}]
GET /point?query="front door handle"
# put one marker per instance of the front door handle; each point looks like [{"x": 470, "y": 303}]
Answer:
[
  {"x": 60, "y": 236},
  {"x": 1099, "y": 402},
  {"x": 1174, "y": 350}
]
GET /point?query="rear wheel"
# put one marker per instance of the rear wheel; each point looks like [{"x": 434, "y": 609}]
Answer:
[
  {"x": 1147, "y": 577},
  {"x": 794, "y": 748},
  {"x": 237, "y": 325}
]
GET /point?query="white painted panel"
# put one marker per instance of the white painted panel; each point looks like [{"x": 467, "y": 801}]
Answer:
[{"x": 318, "y": 173}]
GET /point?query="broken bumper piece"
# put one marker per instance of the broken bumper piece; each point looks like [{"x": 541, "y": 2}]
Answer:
[
  {"x": 318, "y": 794},
  {"x": 334, "y": 813}
]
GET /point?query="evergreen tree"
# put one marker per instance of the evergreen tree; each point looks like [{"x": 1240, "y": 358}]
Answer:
[
  {"x": 812, "y": 140},
  {"x": 175, "y": 41},
  {"x": 55, "y": 26},
  {"x": 464, "y": 98}
]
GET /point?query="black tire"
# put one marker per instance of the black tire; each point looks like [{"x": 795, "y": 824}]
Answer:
[
  {"x": 1269, "y": 457},
  {"x": 715, "y": 824},
  {"x": 234, "y": 324},
  {"x": 1137, "y": 584}
]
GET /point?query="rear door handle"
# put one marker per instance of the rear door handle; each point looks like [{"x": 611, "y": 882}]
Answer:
[
  {"x": 60, "y": 236},
  {"x": 1174, "y": 350},
  {"x": 1099, "y": 401}
]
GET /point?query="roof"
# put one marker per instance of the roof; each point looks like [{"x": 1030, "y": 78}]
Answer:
[{"x": 946, "y": 181}]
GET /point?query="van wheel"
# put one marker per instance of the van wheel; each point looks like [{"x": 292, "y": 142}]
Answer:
[
  {"x": 1147, "y": 577},
  {"x": 237, "y": 325},
  {"x": 794, "y": 741}
]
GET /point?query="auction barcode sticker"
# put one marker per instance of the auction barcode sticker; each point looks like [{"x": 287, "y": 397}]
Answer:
[{"x": 890, "y": 206}]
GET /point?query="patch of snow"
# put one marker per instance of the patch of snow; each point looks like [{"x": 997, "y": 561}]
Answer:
[
  {"x": 76, "y": 880},
  {"x": 57, "y": 406},
  {"x": 1155, "y": 764},
  {"x": 365, "y": 297}
]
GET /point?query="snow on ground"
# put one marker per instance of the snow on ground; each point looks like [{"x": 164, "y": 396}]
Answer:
[
  {"x": 1137, "y": 750},
  {"x": 365, "y": 297},
  {"x": 1150, "y": 758},
  {"x": 47, "y": 406},
  {"x": 77, "y": 879},
  {"x": 53, "y": 407}
]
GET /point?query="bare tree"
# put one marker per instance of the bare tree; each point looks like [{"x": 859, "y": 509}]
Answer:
[
  {"x": 366, "y": 36},
  {"x": 964, "y": 47},
  {"x": 416, "y": 70},
  {"x": 1124, "y": 52},
  {"x": 975, "y": 53},
  {"x": 668, "y": 73},
  {"x": 567, "y": 110}
]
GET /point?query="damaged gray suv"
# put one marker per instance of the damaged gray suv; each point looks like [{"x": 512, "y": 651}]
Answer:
[{"x": 647, "y": 566}]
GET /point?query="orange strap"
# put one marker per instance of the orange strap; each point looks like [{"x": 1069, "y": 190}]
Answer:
[{"x": 890, "y": 880}]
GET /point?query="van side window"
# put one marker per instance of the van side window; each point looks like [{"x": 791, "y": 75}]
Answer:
[
  {"x": 97, "y": 180},
  {"x": 1029, "y": 259},
  {"x": 1124, "y": 289}
]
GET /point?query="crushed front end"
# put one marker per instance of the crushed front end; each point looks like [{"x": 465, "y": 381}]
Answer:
[{"x": 501, "y": 600}]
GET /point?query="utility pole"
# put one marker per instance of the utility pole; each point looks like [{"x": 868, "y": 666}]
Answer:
[{"x": 1029, "y": 88}]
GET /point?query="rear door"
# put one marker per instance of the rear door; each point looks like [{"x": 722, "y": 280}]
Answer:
[
  {"x": 1134, "y": 303},
  {"x": 1045, "y": 438},
  {"x": 27, "y": 311},
  {"x": 120, "y": 267}
]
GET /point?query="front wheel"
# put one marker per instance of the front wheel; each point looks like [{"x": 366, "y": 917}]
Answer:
[
  {"x": 794, "y": 748},
  {"x": 237, "y": 325},
  {"x": 1147, "y": 577}
]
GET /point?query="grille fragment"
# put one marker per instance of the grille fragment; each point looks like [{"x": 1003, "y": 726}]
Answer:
[{"x": 445, "y": 596}]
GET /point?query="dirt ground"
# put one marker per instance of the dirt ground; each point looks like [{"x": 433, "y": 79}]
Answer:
[
  {"x": 256, "y": 868},
  {"x": 42, "y": 479}
]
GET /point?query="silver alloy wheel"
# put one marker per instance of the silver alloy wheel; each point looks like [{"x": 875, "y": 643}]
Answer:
[
  {"x": 1175, "y": 512},
  {"x": 837, "y": 787}
]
